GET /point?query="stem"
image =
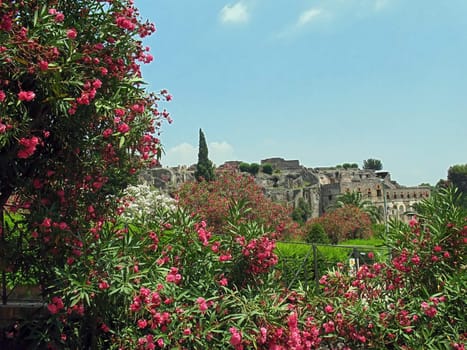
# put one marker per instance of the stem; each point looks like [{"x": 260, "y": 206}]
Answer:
[{"x": 2, "y": 231}]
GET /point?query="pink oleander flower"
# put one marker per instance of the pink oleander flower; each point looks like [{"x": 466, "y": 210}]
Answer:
[
  {"x": 71, "y": 33},
  {"x": 125, "y": 23},
  {"x": 202, "y": 305},
  {"x": 225, "y": 257},
  {"x": 107, "y": 133},
  {"x": 26, "y": 95},
  {"x": 43, "y": 65},
  {"x": 328, "y": 309},
  {"x": 103, "y": 285},
  {"x": 2, "y": 96},
  {"x": 173, "y": 276},
  {"x": 28, "y": 147},
  {"x": 142, "y": 323},
  {"x": 415, "y": 259},
  {"x": 56, "y": 305},
  {"x": 236, "y": 337},
  {"x": 119, "y": 112},
  {"x": 97, "y": 84},
  {"x": 59, "y": 17},
  {"x": 123, "y": 128},
  {"x": 329, "y": 327},
  {"x": 137, "y": 108}
]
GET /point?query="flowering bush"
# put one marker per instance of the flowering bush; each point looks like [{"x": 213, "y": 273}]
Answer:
[
  {"x": 415, "y": 300},
  {"x": 347, "y": 222},
  {"x": 159, "y": 283},
  {"x": 141, "y": 201},
  {"x": 212, "y": 200},
  {"x": 76, "y": 123}
]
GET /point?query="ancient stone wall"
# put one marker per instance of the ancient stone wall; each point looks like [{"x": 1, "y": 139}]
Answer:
[
  {"x": 319, "y": 187},
  {"x": 281, "y": 163},
  {"x": 376, "y": 187}
]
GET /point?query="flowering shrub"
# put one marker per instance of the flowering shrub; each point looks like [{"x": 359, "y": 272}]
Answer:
[
  {"x": 141, "y": 201},
  {"x": 347, "y": 222},
  {"x": 76, "y": 123},
  {"x": 212, "y": 200},
  {"x": 415, "y": 300},
  {"x": 160, "y": 282}
]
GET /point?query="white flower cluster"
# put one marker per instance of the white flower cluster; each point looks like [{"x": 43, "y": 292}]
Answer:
[{"x": 144, "y": 202}]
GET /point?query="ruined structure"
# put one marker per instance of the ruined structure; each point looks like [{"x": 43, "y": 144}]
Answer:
[
  {"x": 319, "y": 187},
  {"x": 376, "y": 186}
]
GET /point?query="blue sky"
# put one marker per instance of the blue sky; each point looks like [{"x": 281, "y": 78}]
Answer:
[{"x": 322, "y": 81}]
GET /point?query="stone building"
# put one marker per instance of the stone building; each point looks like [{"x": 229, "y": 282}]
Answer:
[
  {"x": 387, "y": 195},
  {"x": 319, "y": 187}
]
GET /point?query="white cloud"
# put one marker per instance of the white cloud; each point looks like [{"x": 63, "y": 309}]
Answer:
[
  {"x": 305, "y": 18},
  {"x": 182, "y": 154},
  {"x": 236, "y": 13},
  {"x": 187, "y": 154},
  {"x": 219, "y": 152},
  {"x": 308, "y": 16}
]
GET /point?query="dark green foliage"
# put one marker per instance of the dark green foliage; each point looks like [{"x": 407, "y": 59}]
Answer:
[
  {"x": 267, "y": 168},
  {"x": 457, "y": 176},
  {"x": 348, "y": 166},
  {"x": 302, "y": 211},
  {"x": 254, "y": 168},
  {"x": 379, "y": 230},
  {"x": 372, "y": 164},
  {"x": 356, "y": 199},
  {"x": 204, "y": 167},
  {"x": 244, "y": 167},
  {"x": 425, "y": 184},
  {"x": 317, "y": 234}
]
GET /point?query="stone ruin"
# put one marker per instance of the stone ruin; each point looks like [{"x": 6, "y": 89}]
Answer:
[{"x": 319, "y": 187}]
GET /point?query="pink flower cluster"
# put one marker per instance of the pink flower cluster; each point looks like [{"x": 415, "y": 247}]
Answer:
[
  {"x": 89, "y": 92},
  {"x": 150, "y": 301},
  {"x": 26, "y": 96},
  {"x": 260, "y": 254},
  {"x": 173, "y": 276},
  {"x": 236, "y": 338},
  {"x": 203, "y": 234},
  {"x": 56, "y": 305},
  {"x": 28, "y": 146},
  {"x": 59, "y": 16}
]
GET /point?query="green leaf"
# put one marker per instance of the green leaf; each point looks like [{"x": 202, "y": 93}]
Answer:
[{"x": 36, "y": 14}]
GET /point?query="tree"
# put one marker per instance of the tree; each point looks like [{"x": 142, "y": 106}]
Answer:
[
  {"x": 356, "y": 199},
  {"x": 372, "y": 164},
  {"x": 302, "y": 212},
  {"x": 350, "y": 166},
  {"x": 244, "y": 167},
  {"x": 76, "y": 124},
  {"x": 212, "y": 201},
  {"x": 316, "y": 234},
  {"x": 347, "y": 222},
  {"x": 204, "y": 167},
  {"x": 267, "y": 168},
  {"x": 457, "y": 176},
  {"x": 254, "y": 168}
]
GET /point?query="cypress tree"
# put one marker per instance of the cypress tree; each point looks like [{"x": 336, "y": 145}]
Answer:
[{"x": 204, "y": 167}]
